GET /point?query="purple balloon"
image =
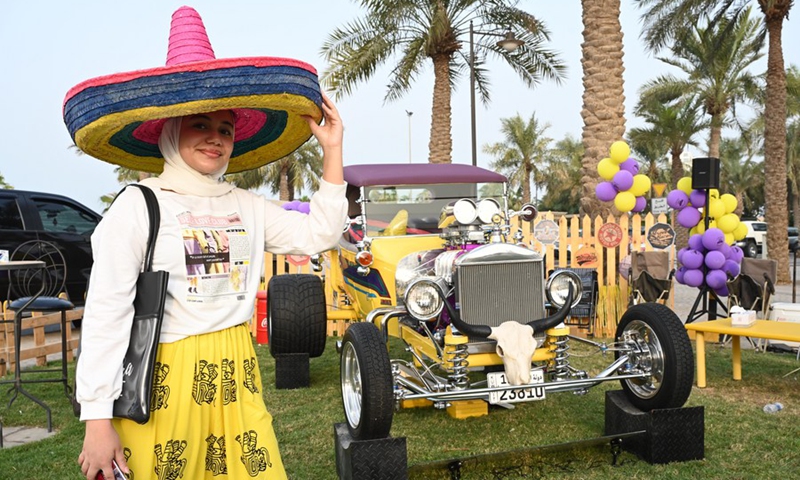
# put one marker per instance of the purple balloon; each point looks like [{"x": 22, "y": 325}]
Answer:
[
  {"x": 722, "y": 291},
  {"x": 713, "y": 238},
  {"x": 630, "y": 165},
  {"x": 680, "y": 253},
  {"x": 731, "y": 268},
  {"x": 641, "y": 204},
  {"x": 304, "y": 207},
  {"x": 714, "y": 260},
  {"x": 725, "y": 249},
  {"x": 605, "y": 191},
  {"x": 677, "y": 199},
  {"x": 693, "y": 259},
  {"x": 693, "y": 277},
  {"x": 737, "y": 254},
  {"x": 688, "y": 217},
  {"x": 293, "y": 205},
  {"x": 698, "y": 198},
  {"x": 716, "y": 278},
  {"x": 696, "y": 242},
  {"x": 679, "y": 274},
  {"x": 623, "y": 180}
]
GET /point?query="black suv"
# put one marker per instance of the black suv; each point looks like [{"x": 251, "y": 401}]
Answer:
[{"x": 66, "y": 223}]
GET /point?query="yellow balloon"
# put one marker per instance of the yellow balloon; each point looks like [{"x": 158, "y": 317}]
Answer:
[
  {"x": 728, "y": 222},
  {"x": 713, "y": 193},
  {"x": 619, "y": 152},
  {"x": 701, "y": 227},
  {"x": 625, "y": 201},
  {"x": 715, "y": 207},
  {"x": 641, "y": 185},
  {"x": 729, "y": 238},
  {"x": 607, "y": 168},
  {"x": 730, "y": 202},
  {"x": 712, "y": 224},
  {"x": 740, "y": 231},
  {"x": 685, "y": 185}
]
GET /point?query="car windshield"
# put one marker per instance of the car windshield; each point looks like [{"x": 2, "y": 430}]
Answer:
[{"x": 422, "y": 203}]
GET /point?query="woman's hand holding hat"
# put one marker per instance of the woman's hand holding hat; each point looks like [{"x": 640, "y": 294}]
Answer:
[{"x": 329, "y": 136}]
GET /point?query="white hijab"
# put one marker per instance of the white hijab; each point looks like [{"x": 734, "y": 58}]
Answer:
[{"x": 178, "y": 176}]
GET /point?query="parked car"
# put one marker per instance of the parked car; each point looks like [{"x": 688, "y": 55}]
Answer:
[
  {"x": 53, "y": 218},
  {"x": 793, "y": 239},
  {"x": 430, "y": 258},
  {"x": 752, "y": 244}
]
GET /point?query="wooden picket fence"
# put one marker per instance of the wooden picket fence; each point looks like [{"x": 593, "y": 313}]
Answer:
[{"x": 574, "y": 233}]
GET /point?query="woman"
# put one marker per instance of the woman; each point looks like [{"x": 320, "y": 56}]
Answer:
[{"x": 208, "y": 414}]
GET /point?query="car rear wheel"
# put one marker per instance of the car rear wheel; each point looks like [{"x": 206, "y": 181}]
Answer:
[
  {"x": 750, "y": 249},
  {"x": 366, "y": 378},
  {"x": 296, "y": 317},
  {"x": 659, "y": 345}
]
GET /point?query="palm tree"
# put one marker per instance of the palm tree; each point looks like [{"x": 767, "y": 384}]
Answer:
[
  {"x": 301, "y": 169},
  {"x": 3, "y": 183},
  {"x": 603, "y": 110},
  {"x": 562, "y": 178},
  {"x": 664, "y": 21},
  {"x": 522, "y": 153},
  {"x": 423, "y": 30}
]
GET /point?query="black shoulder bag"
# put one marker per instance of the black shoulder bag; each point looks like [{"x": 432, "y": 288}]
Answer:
[{"x": 148, "y": 305}]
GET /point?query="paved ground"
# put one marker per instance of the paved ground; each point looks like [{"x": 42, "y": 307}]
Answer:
[{"x": 684, "y": 300}]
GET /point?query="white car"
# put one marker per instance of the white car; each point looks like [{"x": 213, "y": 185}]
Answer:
[{"x": 753, "y": 242}]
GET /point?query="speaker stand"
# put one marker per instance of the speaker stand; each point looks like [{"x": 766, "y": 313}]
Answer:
[{"x": 709, "y": 306}]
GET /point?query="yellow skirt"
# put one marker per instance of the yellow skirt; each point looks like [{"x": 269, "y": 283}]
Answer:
[{"x": 208, "y": 418}]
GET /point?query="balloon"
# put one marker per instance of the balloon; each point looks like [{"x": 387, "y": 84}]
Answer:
[
  {"x": 728, "y": 222},
  {"x": 716, "y": 208},
  {"x": 737, "y": 254},
  {"x": 700, "y": 227},
  {"x": 605, "y": 191},
  {"x": 293, "y": 205},
  {"x": 729, "y": 240},
  {"x": 714, "y": 260},
  {"x": 623, "y": 181},
  {"x": 713, "y": 238},
  {"x": 305, "y": 207},
  {"x": 731, "y": 268},
  {"x": 693, "y": 259},
  {"x": 716, "y": 278},
  {"x": 677, "y": 199},
  {"x": 685, "y": 185},
  {"x": 722, "y": 291},
  {"x": 679, "y": 274},
  {"x": 693, "y": 277},
  {"x": 697, "y": 198},
  {"x": 713, "y": 193},
  {"x": 607, "y": 169},
  {"x": 630, "y": 165},
  {"x": 696, "y": 243},
  {"x": 624, "y": 266},
  {"x": 688, "y": 217},
  {"x": 619, "y": 151},
  {"x": 641, "y": 204},
  {"x": 725, "y": 248},
  {"x": 680, "y": 253},
  {"x": 641, "y": 185},
  {"x": 625, "y": 201},
  {"x": 740, "y": 231},
  {"x": 730, "y": 202}
]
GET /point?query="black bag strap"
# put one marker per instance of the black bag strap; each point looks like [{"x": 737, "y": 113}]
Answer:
[{"x": 155, "y": 221}]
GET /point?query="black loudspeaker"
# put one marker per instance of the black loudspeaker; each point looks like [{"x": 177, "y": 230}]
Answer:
[{"x": 705, "y": 173}]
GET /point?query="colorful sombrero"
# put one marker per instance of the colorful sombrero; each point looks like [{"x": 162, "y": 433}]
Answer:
[{"x": 118, "y": 118}]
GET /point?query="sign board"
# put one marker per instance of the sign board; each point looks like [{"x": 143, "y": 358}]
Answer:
[
  {"x": 661, "y": 235},
  {"x": 609, "y": 235},
  {"x": 658, "y": 189},
  {"x": 546, "y": 232},
  {"x": 659, "y": 205}
]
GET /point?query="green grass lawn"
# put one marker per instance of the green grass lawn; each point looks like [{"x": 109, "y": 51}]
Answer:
[{"x": 741, "y": 441}]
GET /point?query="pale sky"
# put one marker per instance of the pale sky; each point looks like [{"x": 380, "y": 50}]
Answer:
[{"x": 50, "y": 46}]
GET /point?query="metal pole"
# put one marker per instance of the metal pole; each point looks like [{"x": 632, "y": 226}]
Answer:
[
  {"x": 472, "y": 93},
  {"x": 409, "y": 134}
]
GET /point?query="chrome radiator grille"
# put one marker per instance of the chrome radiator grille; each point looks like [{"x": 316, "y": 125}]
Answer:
[{"x": 490, "y": 293}]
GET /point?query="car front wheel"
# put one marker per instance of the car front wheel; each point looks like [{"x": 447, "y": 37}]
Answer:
[{"x": 657, "y": 344}]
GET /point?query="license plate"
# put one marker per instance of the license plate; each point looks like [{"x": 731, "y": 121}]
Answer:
[{"x": 498, "y": 379}]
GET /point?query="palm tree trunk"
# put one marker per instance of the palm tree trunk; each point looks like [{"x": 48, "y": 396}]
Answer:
[
  {"x": 775, "y": 193},
  {"x": 716, "y": 135},
  {"x": 676, "y": 173},
  {"x": 283, "y": 192},
  {"x": 603, "y": 110},
  {"x": 440, "y": 146}
]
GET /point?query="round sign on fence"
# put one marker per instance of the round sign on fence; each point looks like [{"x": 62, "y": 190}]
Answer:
[
  {"x": 661, "y": 235},
  {"x": 609, "y": 235},
  {"x": 546, "y": 231}
]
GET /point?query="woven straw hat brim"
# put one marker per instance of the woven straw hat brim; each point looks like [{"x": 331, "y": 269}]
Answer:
[{"x": 116, "y": 118}]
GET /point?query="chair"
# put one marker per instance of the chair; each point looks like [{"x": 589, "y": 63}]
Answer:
[
  {"x": 650, "y": 277},
  {"x": 584, "y": 313},
  {"x": 45, "y": 284},
  {"x": 754, "y": 287}
]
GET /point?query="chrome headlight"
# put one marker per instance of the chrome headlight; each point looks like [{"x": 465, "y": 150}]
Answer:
[
  {"x": 422, "y": 298},
  {"x": 487, "y": 209},
  {"x": 465, "y": 211},
  {"x": 557, "y": 287}
]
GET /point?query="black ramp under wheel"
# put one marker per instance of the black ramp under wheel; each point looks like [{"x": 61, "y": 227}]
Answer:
[
  {"x": 366, "y": 376},
  {"x": 296, "y": 316},
  {"x": 663, "y": 348}
]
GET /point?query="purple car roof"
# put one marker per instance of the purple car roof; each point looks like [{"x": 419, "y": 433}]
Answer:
[{"x": 417, "y": 174}]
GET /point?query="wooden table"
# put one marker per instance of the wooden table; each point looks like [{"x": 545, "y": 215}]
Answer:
[{"x": 761, "y": 329}]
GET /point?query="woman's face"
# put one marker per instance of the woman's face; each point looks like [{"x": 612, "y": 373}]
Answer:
[{"x": 206, "y": 140}]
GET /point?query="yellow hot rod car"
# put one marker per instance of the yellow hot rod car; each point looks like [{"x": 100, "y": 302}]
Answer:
[{"x": 429, "y": 257}]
